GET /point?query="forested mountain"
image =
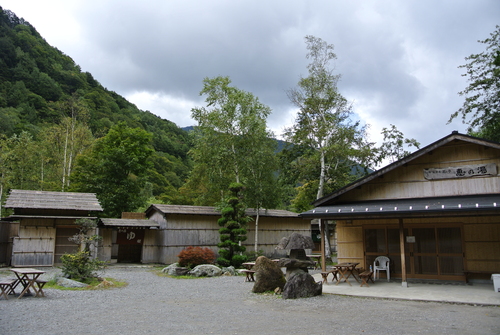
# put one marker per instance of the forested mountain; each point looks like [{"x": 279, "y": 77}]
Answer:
[{"x": 44, "y": 95}]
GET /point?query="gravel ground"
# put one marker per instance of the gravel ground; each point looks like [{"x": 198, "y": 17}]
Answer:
[{"x": 153, "y": 304}]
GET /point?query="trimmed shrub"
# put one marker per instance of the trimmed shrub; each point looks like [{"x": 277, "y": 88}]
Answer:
[
  {"x": 80, "y": 267},
  {"x": 193, "y": 256}
]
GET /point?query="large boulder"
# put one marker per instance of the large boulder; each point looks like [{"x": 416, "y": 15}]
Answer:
[
  {"x": 302, "y": 286},
  {"x": 268, "y": 275},
  {"x": 205, "y": 270}
]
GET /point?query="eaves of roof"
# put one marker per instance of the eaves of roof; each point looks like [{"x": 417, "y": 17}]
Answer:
[{"x": 486, "y": 204}]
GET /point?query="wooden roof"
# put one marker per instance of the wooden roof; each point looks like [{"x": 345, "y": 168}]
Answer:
[
  {"x": 129, "y": 223},
  {"x": 208, "y": 210},
  {"x": 25, "y": 199},
  {"x": 331, "y": 198}
]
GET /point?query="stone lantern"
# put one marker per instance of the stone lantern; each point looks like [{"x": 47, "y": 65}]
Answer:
[
  {"x": 300, "y": 283},
  {"x": 296, "y": 243}
]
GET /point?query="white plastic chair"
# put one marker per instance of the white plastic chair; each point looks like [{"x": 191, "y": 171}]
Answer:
[{"x": 381, "y": 264}]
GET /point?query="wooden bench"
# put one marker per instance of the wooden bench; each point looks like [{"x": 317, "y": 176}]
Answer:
[
  {"x": 334, "y": 272},
  {"x": 366, "y": 276},
  {"x": 7, "y": 287},
  {"x": 40, "y": 283},
  {"x": 249, "y": 275}
]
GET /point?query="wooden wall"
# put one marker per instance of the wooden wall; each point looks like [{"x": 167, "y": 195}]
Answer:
[
  {"x": 408, "y": 181},
  {"x": 34, "y": 246},
  {"x": 7, "y": 231},
  {"x": 350, "y": 244},
  {"x": 105, "y": 245},
  {"x": 180, "y": 231},
  {"x": 481, "y": 240}
]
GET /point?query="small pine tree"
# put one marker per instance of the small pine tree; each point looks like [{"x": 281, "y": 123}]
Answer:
[{"x": 233, "y": 228}]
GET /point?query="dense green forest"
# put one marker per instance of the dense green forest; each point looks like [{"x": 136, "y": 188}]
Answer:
[{"x": 51, "y": 111}]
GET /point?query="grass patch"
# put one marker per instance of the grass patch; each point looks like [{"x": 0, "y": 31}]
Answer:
[{"x": 94, "y": 284}]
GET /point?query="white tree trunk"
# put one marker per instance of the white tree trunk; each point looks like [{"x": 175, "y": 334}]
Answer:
[{"x": 256, "y": 241}]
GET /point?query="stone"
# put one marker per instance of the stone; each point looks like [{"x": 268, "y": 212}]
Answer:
[
  {"x": 296, "y": 241},
  {"x": 180, "y": 271},
  {"x": 290, "y": 272},
  {"x": 302, "y": 286},
  {"x": 268, "y": 275},
  {"x": 66, "y": 282},
  {"x": 295, "y": 263},
  {"x": 105, "y": 284},
  {"x": 205, "y": 270},
  {"x": 171, "y": 269},
  {"x": 229, "y": 271}
]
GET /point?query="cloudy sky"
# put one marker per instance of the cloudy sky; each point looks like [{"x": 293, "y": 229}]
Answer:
[{"x": 398, "y": 59}]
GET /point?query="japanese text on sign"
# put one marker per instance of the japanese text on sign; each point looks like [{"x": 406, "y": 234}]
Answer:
[{"x": 464, "y": 171}]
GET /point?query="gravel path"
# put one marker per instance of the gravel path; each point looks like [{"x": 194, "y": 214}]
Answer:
[{"x": 153, "y": 304}]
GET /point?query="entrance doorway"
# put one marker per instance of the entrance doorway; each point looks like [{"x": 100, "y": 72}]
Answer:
[
  {"x": 129, "y": 241},
  {"x": 432, "y": 251}
]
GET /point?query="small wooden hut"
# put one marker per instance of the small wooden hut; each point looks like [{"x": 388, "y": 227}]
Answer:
[
  {"x": 123, "y": 240},
  {"x": 434, "y": 213},
  {"x": 45, "y": 222}
]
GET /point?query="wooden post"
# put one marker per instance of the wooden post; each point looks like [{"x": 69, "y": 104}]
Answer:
[
  {"x": 322, "y": 232},
  {"x": 404, "y": 283}
]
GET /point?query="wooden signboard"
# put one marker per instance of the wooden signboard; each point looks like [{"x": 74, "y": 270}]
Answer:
[{"x": 465, "y": 171}]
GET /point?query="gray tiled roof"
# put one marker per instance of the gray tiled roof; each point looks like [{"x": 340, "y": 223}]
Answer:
[{"x": 26, "y": 199}]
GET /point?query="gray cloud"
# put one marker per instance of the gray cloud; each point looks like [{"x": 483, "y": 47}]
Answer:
[{"x": 398, "y": 60}]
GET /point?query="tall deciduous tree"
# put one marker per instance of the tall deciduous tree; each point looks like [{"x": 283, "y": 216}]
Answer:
[
  {"x": 481, "y": 109},
  {"x": 231, "y": 135},
  {"x": 323, "y": 124},
  {"x": 323, "y": 120},
  {"x": 232, "y": 144},
  {"x": 114, "y": 169}
]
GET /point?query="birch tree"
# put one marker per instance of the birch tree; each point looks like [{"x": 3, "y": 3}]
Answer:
[
  {"x": 323, "y": 122},
  {"x": 228, "y": 137},
  {"x": 232, "y": 144}
]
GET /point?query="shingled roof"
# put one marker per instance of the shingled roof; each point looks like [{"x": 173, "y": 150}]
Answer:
[
  {"x": 25, "y": 199},
  {"x": 208, "y": 210}
]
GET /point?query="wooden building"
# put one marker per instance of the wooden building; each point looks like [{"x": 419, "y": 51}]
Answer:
[
  {"x": 434, "y": 213},
  {"x": 183, "y": 226},
  {"x": 123, "y": 240},
  {"x": 44, "y": 221}
]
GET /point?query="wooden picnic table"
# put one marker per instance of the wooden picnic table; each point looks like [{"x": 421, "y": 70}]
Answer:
[
  {"x": 248, "y": 265},
  {"x": 28, "y": 278},
  {"x": 345, "y": 271}
]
